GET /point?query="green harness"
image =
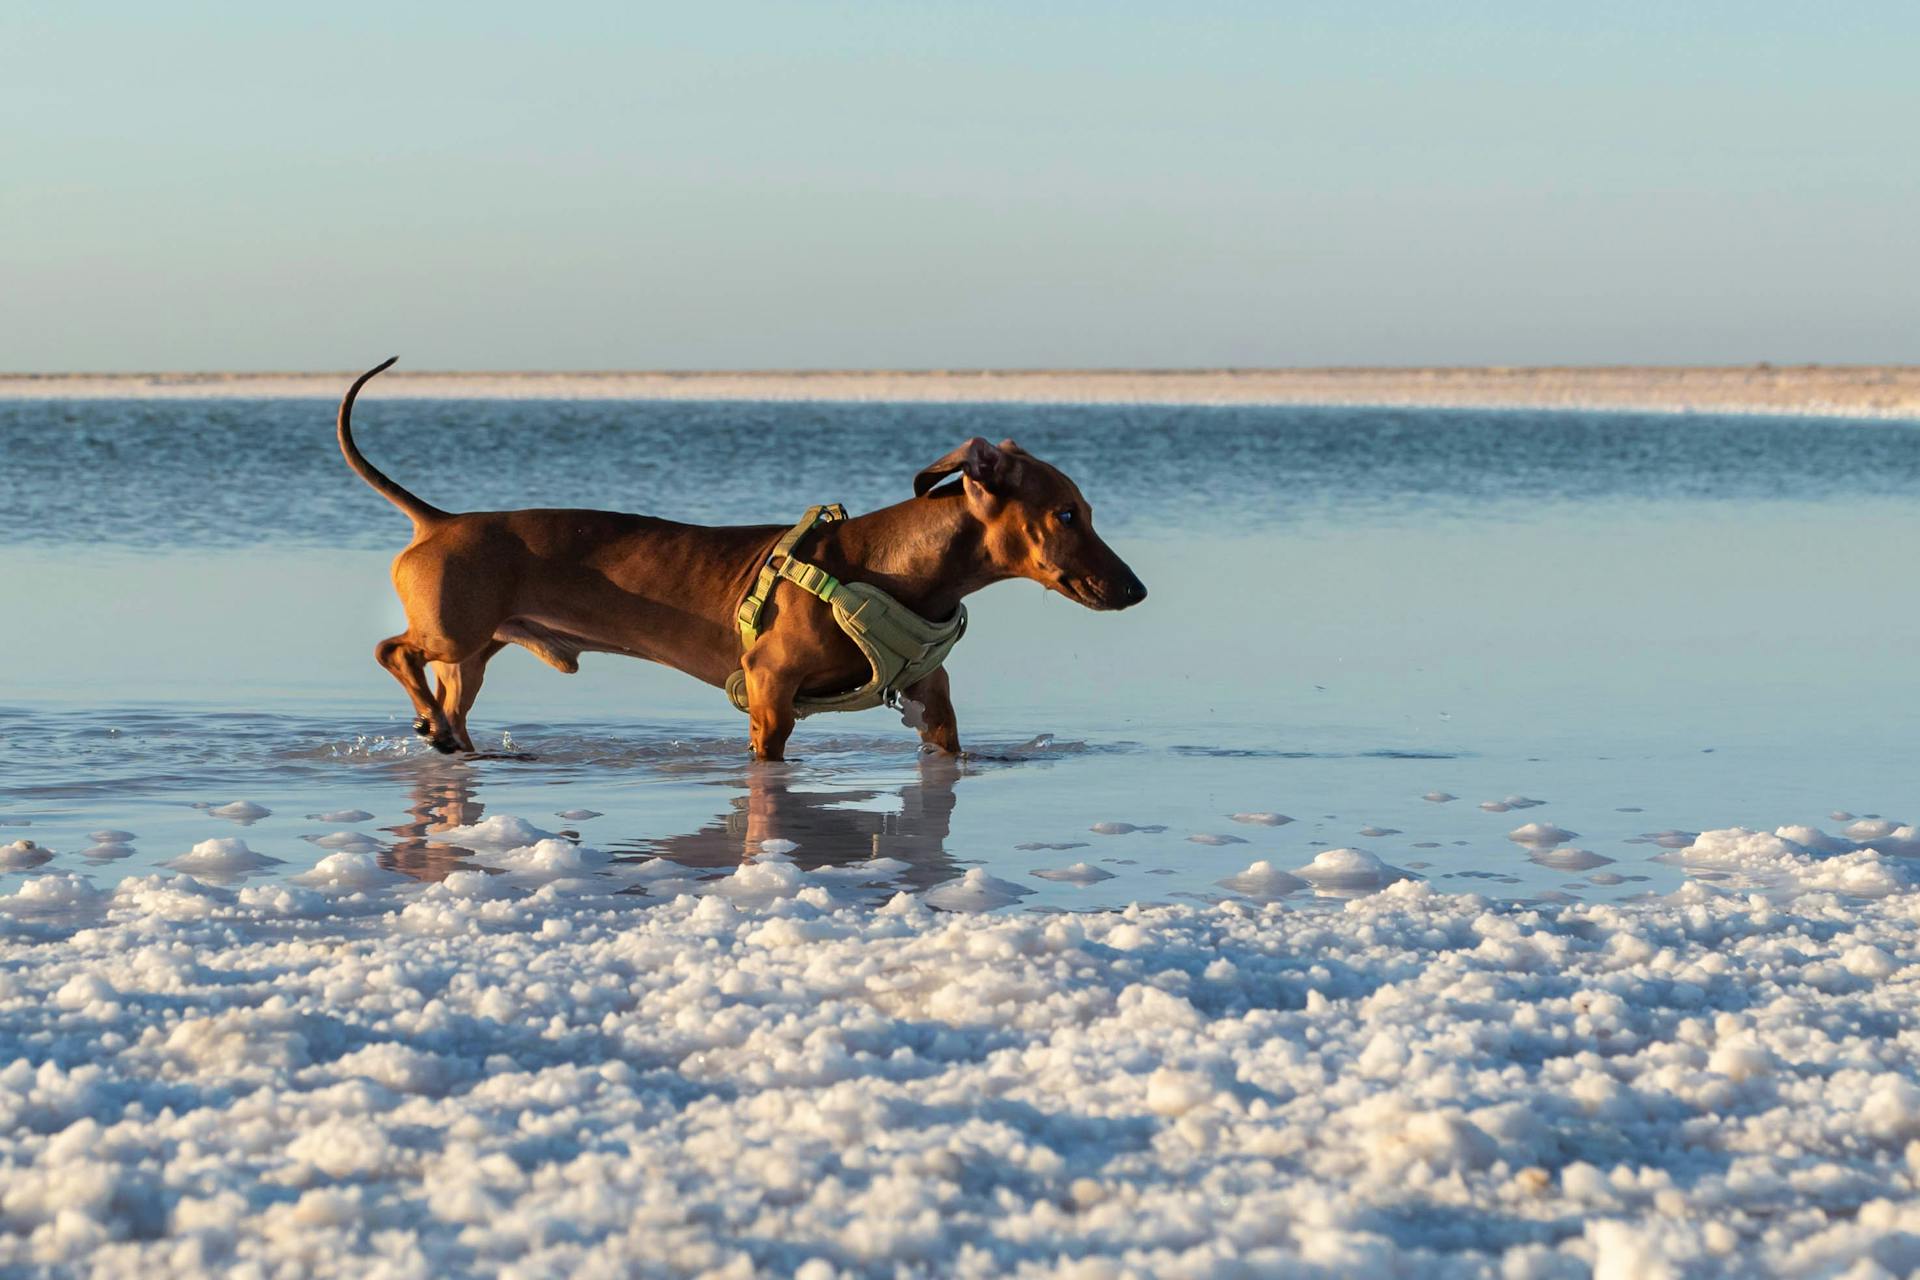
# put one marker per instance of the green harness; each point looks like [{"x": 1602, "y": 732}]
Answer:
[{"x": 902, "y": 647}]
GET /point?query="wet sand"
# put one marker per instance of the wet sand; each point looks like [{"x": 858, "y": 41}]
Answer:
[{"x": 1854, "y": 391}]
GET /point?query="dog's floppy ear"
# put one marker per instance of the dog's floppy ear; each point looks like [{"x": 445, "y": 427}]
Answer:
[{"x": 986, "y": 465}]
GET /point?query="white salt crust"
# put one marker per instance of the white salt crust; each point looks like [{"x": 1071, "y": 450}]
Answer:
[
  {"x": 244, "y": 812},
  {"x": 21, "y": 855},
  {"x": 1078, "y": 873},
  {"x": 1261, "y": 819},
  {"x": 471, "y": 1077}
]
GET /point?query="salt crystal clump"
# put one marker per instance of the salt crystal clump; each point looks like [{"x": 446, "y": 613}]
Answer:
[
  {"x": 106, "y": 852},
  {"x": 1439, "y": 797},
  {"x": 1870, "y": 962},
  {"x": 111, "y": 836},
  {"x": 1078, "y": 873},
  {"x": 345, "y": 1146},
  {"x": 468, "y": 883},
  {"x": 1440, "y": 1140},
  {"x": 864, "y": 869},
  {"x": 1892, "y": 1108},
  {"x": 1206, "y": 837},
  {"x": 172, "y": 898},
  {"x": 54, "y": 894},
  {"x": 356, "y": 841},
  {"x": 777, "y": 845},
  {"x": 22, "y": 854},
  {"x": 767, "y": 877},
  {"x": 1740, "y": 849},
  {"x": 1741, "y": 1058},
  {"x": 350, "y": 869},
  {"x": 1262, "y": 819},
  {"x": 1374, "y": 833},
  {"x": 1866, "y": 874},
  {"x": 244, "y": 812},
  {"x": 550, "y": 856},
  {"x": 1903, "y": 840},
  {"x": 975, "y": 891},
  {"x": 1173, "y": 1093},
  {"x": 1541, "y": 835},
  {"x": 1348, "y": 870},
  {"x": 656, "y": 868},
  {"x": 502, "y": 831},
  {"x": 1770, "y": 857},
  {"x": 1263, "y": 880},
  {"x": 1814, "y": 839},
  {"x": 1119, "y": 828},
  {"x": 280, "y": 898},
  {"x": 84, "y": 991},
  {"x": 1569, "y": 859},
  {"x": 340, "y": 815},
  {"x": 577, "y": 815},
  {"x": 226, "y": 856}
]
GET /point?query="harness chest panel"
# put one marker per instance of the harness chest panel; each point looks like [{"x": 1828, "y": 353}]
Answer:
[{"x": 900, "y": 646}]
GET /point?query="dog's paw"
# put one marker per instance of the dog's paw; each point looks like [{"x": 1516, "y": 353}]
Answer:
[{"x": 443, "y": 743}]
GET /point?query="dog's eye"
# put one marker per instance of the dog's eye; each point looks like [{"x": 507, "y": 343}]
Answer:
[{"x": 1065, "y": 515}]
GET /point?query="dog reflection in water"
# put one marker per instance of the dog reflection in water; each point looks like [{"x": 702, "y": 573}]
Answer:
[
  {"x": 443, "y": 798},
  {"x": 832, "y": 828},
  {"x": 829, "y": 831}
]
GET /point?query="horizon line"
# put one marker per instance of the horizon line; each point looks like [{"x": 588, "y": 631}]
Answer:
[{"x": 965, "y": 371}]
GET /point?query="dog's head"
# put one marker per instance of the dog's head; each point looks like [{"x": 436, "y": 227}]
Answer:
[{"x": 1036, "y": 523}]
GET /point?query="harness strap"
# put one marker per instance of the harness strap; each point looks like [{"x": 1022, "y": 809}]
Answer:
[
  {"x": 781, "y": 564},
  {"x": 810, "y": 578},
  {"x": 900, "y": 646}
]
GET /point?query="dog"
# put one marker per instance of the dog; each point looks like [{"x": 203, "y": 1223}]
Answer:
[{"x": 561, "y": 583}]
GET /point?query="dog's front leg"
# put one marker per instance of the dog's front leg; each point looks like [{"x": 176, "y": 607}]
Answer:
[
  {"x": 771, "y": 688},
  {"x": 938, "y": 726}
]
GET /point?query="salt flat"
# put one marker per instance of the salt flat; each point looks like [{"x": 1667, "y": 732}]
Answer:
[
  {"x": 1859, "y": 391},
  {"x": 358, "y": 1075},
  {"x": 1408, "y": 934}
]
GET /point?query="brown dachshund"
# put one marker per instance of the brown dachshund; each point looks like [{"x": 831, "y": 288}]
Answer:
[{"x": 562, "y": 583}]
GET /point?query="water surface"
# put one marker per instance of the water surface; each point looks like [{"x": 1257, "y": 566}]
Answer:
[{"x": 1650, "y": 624}]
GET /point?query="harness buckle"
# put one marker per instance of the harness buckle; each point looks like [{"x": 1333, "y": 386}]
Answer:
[{"x": 810, "y": 578}]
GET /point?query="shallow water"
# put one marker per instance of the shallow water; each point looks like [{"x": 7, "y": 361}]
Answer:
[{"x": 1648, "y": 624}]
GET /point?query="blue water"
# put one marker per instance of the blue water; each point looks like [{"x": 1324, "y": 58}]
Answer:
[
  {"x": 1651, "y": 623},
  {"x": 236, "y": 473}
]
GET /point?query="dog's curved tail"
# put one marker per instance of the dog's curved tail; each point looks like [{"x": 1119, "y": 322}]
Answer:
[{"x": 421, "y": 513}]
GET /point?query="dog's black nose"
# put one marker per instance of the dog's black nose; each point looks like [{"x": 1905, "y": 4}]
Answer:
[{"x": 1135, "y": 591}]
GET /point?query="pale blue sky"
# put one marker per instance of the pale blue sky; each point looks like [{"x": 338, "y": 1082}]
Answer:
[{"x": 586, "y": 185}]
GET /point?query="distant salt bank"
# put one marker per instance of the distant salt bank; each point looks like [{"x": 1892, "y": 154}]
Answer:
[{"x": 1852, "y": 391}]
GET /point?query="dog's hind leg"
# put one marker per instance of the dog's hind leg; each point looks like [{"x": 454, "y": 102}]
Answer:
[
  {"x": 452, "y": 606},
  {"x": 402, "y": 656},
  {"x": 459, "y": 684}
]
